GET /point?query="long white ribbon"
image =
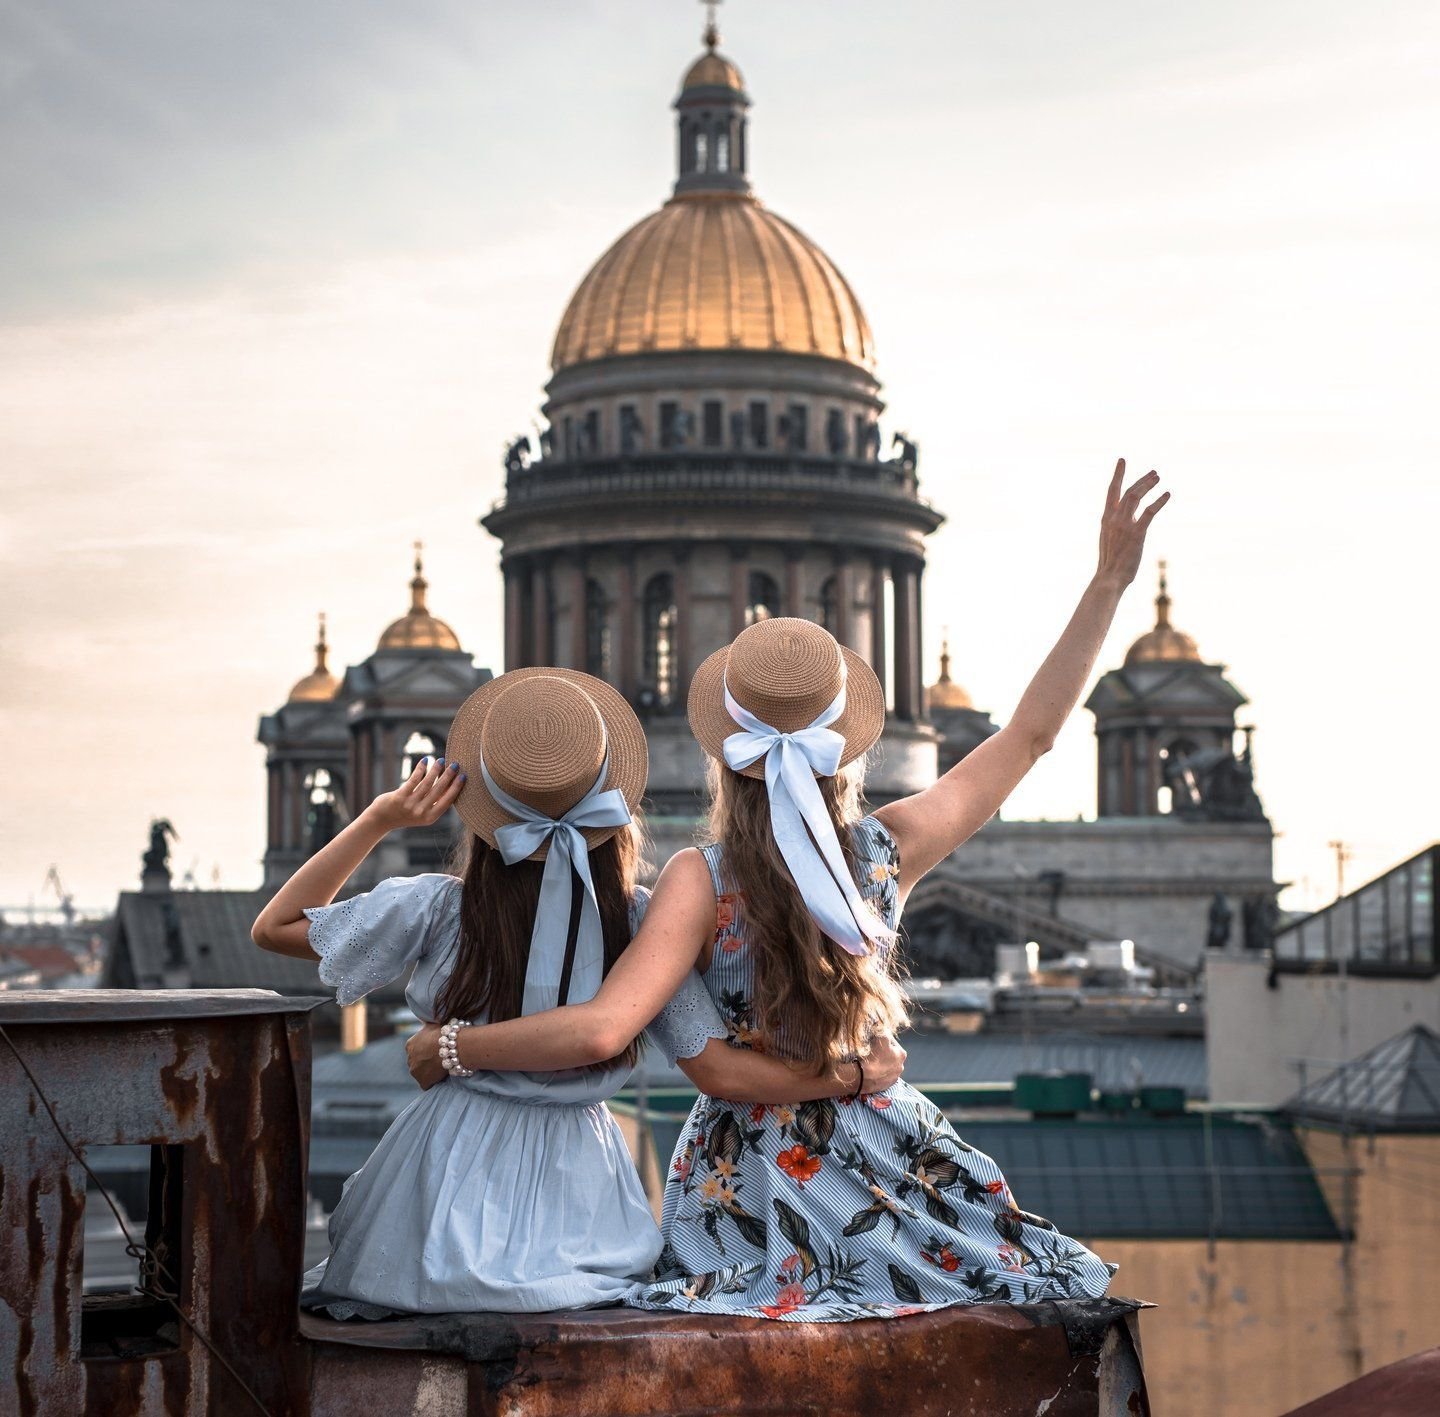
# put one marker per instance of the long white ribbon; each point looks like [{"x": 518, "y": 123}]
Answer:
[
  {"x": 800, "y": 820},
  {"x": 569, "y": 853}
]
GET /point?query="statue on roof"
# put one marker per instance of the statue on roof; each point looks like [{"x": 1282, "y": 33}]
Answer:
[
  {"x": 909, "y": 456},
  {"x": 517, "y": 455},
  {"x": 157, "y": 858}
]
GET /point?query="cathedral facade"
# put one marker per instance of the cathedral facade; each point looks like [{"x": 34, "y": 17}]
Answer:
[{"x": 711, "y": 454}]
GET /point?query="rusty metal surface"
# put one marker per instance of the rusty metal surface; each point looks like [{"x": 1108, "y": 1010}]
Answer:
[
  {"x": 987, "y": 1360},
  {"x": 228, "y": 1078},
  {"x": 1409, "y": 1388}
]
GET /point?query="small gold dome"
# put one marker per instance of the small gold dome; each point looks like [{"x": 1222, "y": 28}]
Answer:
[
  {"x": 712, "y": 69},
  {"x": 713, "y": 271},
  {"x": 945, "y": 693},
  {"x": 1164, "y": 642},
  {"x": 418, "y": 628},
  {"x": 319, "y": 685}
]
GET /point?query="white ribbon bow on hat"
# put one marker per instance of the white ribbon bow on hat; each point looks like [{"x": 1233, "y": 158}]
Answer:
[
  {"x": 569, "y": 855},
  {"x": 801, "y": 821}
]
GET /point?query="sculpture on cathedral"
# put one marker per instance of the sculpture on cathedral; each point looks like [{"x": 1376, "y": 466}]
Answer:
[
  {"x": 1217, "y": 936},
  {"x": 1213, "y": 785},
  {"x": 835, "y": 433},
  {"x": 547, "y": 442},
  {"x": 909, "y": 458},
  {"x": 517, "y": 455},
  {"x": 157, "y": 858},
  {"x": 1259, "y": 917},
  {"x": 870, "y": 446},
  {"x": 737, "y": 431},
  {"x": 632, "y": 430}
]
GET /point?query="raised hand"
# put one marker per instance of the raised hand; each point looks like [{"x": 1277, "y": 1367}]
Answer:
[
  {"x": 1122, "y": 532},
  {"x": 422, "y": 799}
]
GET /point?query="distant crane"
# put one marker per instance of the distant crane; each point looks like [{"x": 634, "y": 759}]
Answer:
[{"x": 63, "y": 897}]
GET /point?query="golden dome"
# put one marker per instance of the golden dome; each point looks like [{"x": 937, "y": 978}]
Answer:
[
  {"x": 1164, "y": 642},
  {"x": 945, "y": 693},
  {"x": 712, "y": 69},
  {"x": 713, "y": 270},
  {"x": 319, "y": 684},
  {"x": 418, "y": 628}
]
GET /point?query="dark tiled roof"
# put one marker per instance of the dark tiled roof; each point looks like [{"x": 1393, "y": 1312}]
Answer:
[
  {"x": 1393, "y": 1087},
  {"x": 214, "y": 935}
]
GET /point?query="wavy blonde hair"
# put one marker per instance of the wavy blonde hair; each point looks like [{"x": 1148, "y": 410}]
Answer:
[{"x": 807, "y": 989}]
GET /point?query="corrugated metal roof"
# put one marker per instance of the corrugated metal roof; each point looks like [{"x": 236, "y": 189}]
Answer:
[{"x": 1395, "y": 1086}]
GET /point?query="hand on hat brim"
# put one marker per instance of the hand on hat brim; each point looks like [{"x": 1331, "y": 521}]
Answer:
[{"x": 422, "y": 799}]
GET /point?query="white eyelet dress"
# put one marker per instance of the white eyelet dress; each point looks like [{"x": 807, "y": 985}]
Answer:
[
  {"x": 510, "y": 1192},
  {"x": 827, "y": 1211}
]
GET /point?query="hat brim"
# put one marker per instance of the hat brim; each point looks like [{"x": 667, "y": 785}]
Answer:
[
  {"x": 860, "y": 724},
  {"x": 629, "y": 754}
]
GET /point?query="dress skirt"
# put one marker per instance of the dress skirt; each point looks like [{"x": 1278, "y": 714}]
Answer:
[{"x": 474, "y": 1202}]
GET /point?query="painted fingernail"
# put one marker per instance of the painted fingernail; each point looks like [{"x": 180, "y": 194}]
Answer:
[
  {"x": 454, "y": 766},
  {"x": 425, "y": 761},
  {"x": 464, "y": 777}
]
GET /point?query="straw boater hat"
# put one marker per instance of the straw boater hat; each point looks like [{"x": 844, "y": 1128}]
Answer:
[
  {"x": 544, "y": 734},
  {"x": 786, "y": 672}
]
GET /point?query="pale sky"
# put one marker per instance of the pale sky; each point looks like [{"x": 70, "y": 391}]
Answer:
[{"x": 278, "y": 281}]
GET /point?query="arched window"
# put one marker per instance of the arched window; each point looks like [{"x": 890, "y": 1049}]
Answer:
[
  {"x": 722, "y": 152},
  {"x": 763, "y": 599},
  {"x": 830, "y": 605},
  {"x": 659, "y": 628},
  {"x": 597, "y": 631},
  {"x": 702, "y": 152},
  {"x": 417, "y": 746},
  {"x": 324, "y": 810}
]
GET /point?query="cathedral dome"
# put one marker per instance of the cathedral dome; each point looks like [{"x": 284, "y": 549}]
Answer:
[
  {"x": 319, "y": 685},
  {"x": 713, "y": 271},
  {"x": 418, "y": 628},
  {"x": 945, "y": 693},
  {"x": 712, "y": 70},
  {"x": 1164, "y": 642}
]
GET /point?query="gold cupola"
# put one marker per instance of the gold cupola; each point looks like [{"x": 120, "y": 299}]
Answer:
[
  {"x": 945, "y": 693},
  {"x": 319, "y": 685},
  {"x": 713, "y": 269},
  {"x": 1164, "y": 642},
  {"x": 418, "y": 628}
]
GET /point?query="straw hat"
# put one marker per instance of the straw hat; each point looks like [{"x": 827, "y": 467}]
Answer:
[
  {"x": 786, "y": 672},
  {"x": 544, "y": 734}
]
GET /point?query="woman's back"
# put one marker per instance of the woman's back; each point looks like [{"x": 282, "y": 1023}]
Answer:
[{"x": 824, "y": 1211}]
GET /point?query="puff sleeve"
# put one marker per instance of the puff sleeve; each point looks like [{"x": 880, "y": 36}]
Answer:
[{"x": 369, "y": 940}]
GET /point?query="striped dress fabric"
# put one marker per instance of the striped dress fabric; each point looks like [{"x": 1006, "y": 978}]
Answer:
[{"x": 834, "y": 1210}]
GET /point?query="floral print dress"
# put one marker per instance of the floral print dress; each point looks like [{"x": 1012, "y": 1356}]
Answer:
[{"x": 833, "y": 1210}]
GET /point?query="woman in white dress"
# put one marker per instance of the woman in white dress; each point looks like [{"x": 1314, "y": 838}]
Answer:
[{"x": 508, "y": 1191}]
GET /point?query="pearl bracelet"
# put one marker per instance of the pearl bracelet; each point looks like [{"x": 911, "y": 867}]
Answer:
[{"x": 449, "y": 1057}]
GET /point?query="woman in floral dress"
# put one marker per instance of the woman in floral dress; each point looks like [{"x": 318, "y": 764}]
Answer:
[{"x": 868, "y": 1206}]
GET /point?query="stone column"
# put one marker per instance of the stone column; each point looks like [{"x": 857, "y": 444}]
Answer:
[
  {"x": 540, "y": 609},
  {"x": 917, "y": 572},
  {"x": 625, "y": 624},
  {"x": 905, "y": 704},
  {"x": 739, "y": 585},
  {"x": 844, "y": 598},
  {"x": 514, "y": 569},
  {"x": 1127, "y": 774},
  {"x": 1150, "y": 804},
  {"x": 794, "y": 604},
  {"x": 295, "y": 803},
  {"x": 878, "y": 650},
  {"x": 273, "y": 794},
  {"x": 684, "y": 631},
  {"x": 578, "y": 614}
]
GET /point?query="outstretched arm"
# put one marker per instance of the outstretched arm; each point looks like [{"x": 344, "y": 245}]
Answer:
[
  {"x": 421, "y": 800},
  {"x": 678, "y": 921},
  {"x": 929, "y": 825}
]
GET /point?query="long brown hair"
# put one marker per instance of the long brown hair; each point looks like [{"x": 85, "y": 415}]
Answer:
[
  {"x": 809, "y": 992},
  {"x": 497, "y": 914}
]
